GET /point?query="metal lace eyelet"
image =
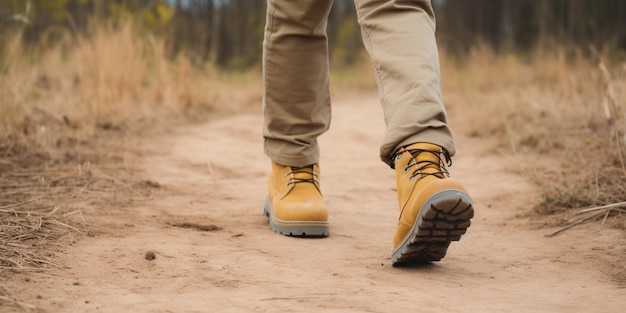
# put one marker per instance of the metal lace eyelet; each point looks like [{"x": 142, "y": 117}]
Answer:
[
  {"x": 288, "y": 184},
  {"x": 411, "y": 177},
  {"x": 406, "y": 169},
  {"x": 398, "y": 156}
]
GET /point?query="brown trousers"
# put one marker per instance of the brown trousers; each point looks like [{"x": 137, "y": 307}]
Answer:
[{"x": 400, "y": 38}]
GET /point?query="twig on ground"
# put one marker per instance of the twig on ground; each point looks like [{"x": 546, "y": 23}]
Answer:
[
  {"x": 579, "y": 221},
  {"x": 603, "y": 210},
  {"x": 608, "y": 206},
  {"x": 65, "y": 225},
  {"x": 19, "y": 203}
]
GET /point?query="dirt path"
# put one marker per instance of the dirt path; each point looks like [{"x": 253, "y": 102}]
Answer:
[{"x": 215, "y": 175}]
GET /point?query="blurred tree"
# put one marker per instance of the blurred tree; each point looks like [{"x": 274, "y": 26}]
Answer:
[
  {"x": 523, "y": 25},
  {"x": 344, "y": 33},
  {"x": 230, "y": 32}
]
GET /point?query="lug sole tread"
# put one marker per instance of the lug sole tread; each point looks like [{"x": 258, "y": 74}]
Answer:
[{"x": 441, "y": 223}]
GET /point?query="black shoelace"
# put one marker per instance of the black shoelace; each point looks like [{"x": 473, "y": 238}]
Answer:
[
  {"x": 443, "y": 159},
  {"x": 302, "y": 170}
]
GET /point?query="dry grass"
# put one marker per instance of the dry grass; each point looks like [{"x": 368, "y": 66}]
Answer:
[
  {"x": 42, "y": 203},
  {"x": 562, "y": 115},
  {"x": 66, "y": 110},
  {"x": 112, "y": 79}
]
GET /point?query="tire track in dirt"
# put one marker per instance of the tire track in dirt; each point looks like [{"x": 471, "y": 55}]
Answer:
[{"x": 215, "y": 175}]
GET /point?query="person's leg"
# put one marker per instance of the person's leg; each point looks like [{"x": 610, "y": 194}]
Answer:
[
  {"x": 400, "y": 37},
  {"x": 434, "y": 208},
  {"x": 296, "y": 102},
  {"x": 296, "y": 107}
]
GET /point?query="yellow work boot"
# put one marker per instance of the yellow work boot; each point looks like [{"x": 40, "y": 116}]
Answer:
[
  {"x": 434, "y": 208},
  {"x": 294, "y": 204}
]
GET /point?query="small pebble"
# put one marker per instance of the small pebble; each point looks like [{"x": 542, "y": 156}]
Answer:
[{"x": 150, "y": 256}]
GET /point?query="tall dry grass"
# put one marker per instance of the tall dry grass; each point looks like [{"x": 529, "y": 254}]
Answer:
[
  {"x": 114, "y": 78},
  {"x": 561, "y": 114}
]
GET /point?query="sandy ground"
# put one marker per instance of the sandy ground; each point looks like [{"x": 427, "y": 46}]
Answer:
[{"x": 214, "y": 251}]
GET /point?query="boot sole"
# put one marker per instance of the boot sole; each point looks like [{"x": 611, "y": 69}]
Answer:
[
  {"x": 443, "y": 219},
  {"x": 295, "y": 228}
]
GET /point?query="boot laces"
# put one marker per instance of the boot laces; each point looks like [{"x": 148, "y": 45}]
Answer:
[
  {"x": 418, "y": 166},
  {"x": 302, "y": 170}
]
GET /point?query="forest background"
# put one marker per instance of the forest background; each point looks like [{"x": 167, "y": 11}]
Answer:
[{"x": 229, "y": 33}]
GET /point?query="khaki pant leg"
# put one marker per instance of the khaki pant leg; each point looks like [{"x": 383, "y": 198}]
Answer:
[
  {"x": 296, "y": 102},
  {"x": 400, "y": 38}
]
